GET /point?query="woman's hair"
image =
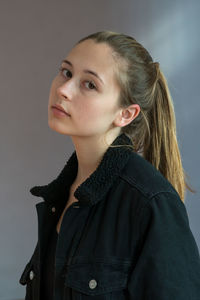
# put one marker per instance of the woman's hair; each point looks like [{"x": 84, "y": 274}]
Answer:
[{"x": 153, "y": 131}]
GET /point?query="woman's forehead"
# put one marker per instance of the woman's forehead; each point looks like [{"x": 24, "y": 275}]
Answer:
[{"x": 93, "y": 56}]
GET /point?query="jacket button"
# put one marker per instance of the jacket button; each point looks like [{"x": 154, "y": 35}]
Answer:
[
  {"x": 31, "y": 275},
  {"x": 53, "y": 209},
  {"x": 92, "y": 284}
]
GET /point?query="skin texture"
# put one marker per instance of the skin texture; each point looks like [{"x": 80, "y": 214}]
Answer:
[{"x": 92, "y": 105}]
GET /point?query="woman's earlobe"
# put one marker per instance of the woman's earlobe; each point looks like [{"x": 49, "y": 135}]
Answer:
[{"x": 119, "y": 120}]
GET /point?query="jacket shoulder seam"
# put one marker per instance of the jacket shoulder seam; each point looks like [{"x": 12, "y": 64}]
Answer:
[{"x": 147, "y": 194}]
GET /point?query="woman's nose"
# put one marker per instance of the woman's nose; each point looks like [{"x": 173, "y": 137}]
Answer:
[{"x": 66, "y": 90}]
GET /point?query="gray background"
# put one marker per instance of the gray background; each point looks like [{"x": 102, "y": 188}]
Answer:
[{"x": 35, "y": 37}]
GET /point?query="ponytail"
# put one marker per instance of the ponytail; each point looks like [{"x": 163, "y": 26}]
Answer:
[{"x": 160, "y": 141}]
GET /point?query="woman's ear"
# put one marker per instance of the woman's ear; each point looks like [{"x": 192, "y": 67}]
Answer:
[{"x": 127, "y": 115}]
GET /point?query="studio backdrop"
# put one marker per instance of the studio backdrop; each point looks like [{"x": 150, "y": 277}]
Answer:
[{"x": 35, "y": 37}]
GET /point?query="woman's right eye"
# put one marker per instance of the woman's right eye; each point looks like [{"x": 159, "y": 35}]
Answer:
[{"x": 64, "y": 69}]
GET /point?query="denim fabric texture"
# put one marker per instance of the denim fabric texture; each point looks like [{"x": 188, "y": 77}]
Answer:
[{"x": 127, "y": 237}]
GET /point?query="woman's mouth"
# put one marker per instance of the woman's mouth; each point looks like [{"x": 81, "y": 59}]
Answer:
[{"x": 59, "y": 112}]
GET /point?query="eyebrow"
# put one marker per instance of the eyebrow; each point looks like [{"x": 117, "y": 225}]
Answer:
[{"x": 86, "y": 71}]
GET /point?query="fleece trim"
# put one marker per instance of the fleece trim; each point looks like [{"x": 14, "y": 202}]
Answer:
[{"x": 94, "y": 188}]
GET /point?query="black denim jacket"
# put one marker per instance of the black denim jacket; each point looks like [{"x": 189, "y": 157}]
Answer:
[{"x": 133, "y": 239}]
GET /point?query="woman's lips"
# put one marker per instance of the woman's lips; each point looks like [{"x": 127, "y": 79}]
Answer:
[{"x": 59, "y": 112}]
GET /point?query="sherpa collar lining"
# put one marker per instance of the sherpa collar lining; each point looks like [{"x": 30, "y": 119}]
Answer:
[{"x": 97, "y": 184}]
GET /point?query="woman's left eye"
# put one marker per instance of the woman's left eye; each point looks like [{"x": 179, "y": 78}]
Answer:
[{"x": 91, "y": 84}]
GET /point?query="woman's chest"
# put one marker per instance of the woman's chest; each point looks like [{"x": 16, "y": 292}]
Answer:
[{"x": 71, "y": 199}]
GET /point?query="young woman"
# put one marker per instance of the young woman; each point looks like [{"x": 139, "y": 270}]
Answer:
[{"x": 113, "y": 223}]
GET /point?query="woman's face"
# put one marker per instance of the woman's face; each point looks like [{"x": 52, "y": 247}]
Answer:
[{"x": 90, "y": 101}]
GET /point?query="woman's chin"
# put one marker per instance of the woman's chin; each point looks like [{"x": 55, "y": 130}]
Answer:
[{"x": 54, "y": 125}]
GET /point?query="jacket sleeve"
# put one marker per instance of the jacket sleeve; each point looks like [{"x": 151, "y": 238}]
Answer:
[
  {"x": 23, "y": 278},
  {"x": 168, "y": 264}
]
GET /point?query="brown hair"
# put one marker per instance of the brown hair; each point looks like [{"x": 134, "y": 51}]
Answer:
[{"x": 153, "y": 131}]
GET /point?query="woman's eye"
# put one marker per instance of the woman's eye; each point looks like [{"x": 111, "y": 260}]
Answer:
[
  {"x": 64, "y": 69},
  {"x": 92, "y": 85}
]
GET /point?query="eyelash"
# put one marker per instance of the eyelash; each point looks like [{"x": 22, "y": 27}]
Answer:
[{"x": 62, "y": 69}]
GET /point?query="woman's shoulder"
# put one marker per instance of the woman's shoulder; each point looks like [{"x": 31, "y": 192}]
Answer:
[{"x": 143, "y": 176}]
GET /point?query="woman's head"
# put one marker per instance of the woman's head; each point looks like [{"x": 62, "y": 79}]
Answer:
[
  {"x": 134, "y": 99},
  {"x": 91, "y": 100}
]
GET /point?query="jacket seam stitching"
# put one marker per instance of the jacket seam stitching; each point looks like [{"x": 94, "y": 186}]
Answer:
[{"x": 146, "y": 194}]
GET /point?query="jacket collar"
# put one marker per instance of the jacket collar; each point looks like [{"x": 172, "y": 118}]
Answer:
[{"x": 97, "y": 184}]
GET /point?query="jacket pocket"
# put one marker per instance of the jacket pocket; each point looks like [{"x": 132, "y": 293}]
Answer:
[{"x": 97, "y": 280}]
